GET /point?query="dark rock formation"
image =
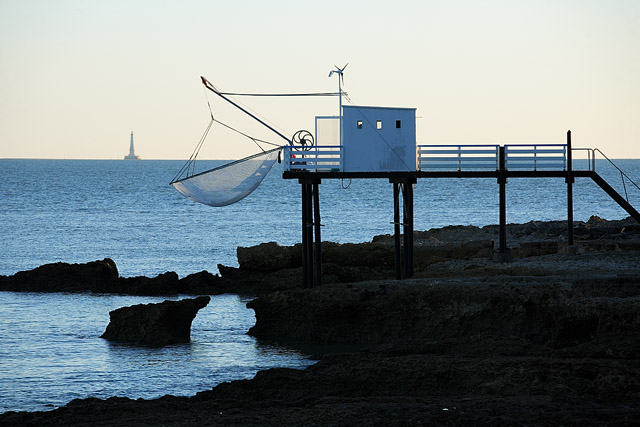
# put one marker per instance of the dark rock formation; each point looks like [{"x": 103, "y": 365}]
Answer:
[
  {"x": 169, "y": 284},
  {"x": 269, "y": 257},
  {"x": 268, "y": 267},
  {"x": 536, "y": 312},
  {"x": 163, "y": 284},
  {"x": 549, "y": 338},
  {"x": 102, "y": 277},
  {"x": 201, "y": 283},
  {"x": 96, "y": 276},
  {"x": 160, "y": 324},
  {"x": 506, "y": 351}
]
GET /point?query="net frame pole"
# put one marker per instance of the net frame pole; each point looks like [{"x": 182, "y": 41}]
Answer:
[{"x": 209, "y": 86}]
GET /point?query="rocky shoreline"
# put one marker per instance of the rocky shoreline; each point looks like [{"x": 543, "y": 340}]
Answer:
[{"x": 548, "y": 338}]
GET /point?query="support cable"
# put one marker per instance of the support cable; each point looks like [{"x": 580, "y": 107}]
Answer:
[
  {"x": 207, "y": 98},
  {"x": 256, "y": 140},
  {"x": 192, "y": 159},
  {"x": 282, "y": 94}
]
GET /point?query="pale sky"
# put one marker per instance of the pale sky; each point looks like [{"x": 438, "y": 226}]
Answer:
[{"x": 77, "y": 76}]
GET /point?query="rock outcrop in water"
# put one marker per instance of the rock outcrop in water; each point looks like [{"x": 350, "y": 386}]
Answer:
[
  {"x": 102, "y": 277},
  {"x": 155, "y": 325},
  {"x": 96, "y": 276}
]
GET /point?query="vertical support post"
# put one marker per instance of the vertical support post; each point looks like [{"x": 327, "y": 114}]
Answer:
[
  {"x": 410, "y": 228},
  {"x": 305, "y": 220},
  {"x": 317, "y": 269},
  {"x": 570, "y": 180},
  {"x": 502, "y": 181},
  {"x": 309, "y": 239},
  {"x": 407, "y": 200},
  {"x": 311, "y": 254},
  {"x": 396, "y": 229}
]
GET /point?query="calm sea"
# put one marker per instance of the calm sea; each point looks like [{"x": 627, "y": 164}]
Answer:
[{"x": 84, "y": 210}]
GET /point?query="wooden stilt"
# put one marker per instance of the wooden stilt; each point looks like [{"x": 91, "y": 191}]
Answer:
[
  {"x": 311, "y": 249},
  {"x": 305, "y": 220},
  {"x": 317, "y": 266},
  {"x": 396, "y": 229},
  {"x": 309, "y": 231},
  {"x": 407, "y": 200},
  {"x": 502, "y": 181}
]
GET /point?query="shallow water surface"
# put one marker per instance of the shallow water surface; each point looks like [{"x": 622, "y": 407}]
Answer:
[{"x": 51, "y": 353}]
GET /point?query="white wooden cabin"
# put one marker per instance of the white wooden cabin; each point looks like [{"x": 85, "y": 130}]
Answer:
[{"x": 374, "y": 139}]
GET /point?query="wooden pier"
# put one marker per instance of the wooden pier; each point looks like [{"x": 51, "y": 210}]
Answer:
[{"x": 451, "y": 161}]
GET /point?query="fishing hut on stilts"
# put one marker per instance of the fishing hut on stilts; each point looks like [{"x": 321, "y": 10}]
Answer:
[{"x": 366, "y": 142}]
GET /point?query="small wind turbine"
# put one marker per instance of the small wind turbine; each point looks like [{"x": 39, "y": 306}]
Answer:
[{"x": 340, "y": 72}]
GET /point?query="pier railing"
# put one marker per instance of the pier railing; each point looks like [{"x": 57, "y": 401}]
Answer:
[
  {"x": 317, "y": 158},
  {"x": 536, "y": 157},
  {"x": 457, "y": 157},
  {"x": 470, "y": 157},
  {"x": 482, "y": 157}
]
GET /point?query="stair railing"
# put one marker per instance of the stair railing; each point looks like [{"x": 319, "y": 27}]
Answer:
[{"x": 591, "y": 157}]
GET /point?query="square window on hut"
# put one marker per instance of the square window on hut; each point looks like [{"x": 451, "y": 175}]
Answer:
[
  {"x": 398, "y": 124},
  {"x": 379, "y": 124},
  {"x": 359, "y": 124}
]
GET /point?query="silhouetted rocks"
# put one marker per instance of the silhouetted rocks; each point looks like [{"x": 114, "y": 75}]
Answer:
[
  {"x": 270, "y": 267},
  {"x": 96, "y": 276},
  {"x": 169, "y": 284},
  {"x": 163, "y": 284},
  {"x": 536, "y": 312},
  {"x": 102, "y": 277},
  {"x": 269, "y": 256},
  {"x": 155, "y": 325}
]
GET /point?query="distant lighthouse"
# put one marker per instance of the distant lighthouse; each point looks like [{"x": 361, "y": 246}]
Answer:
[{"x": 132, "y": 153}]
